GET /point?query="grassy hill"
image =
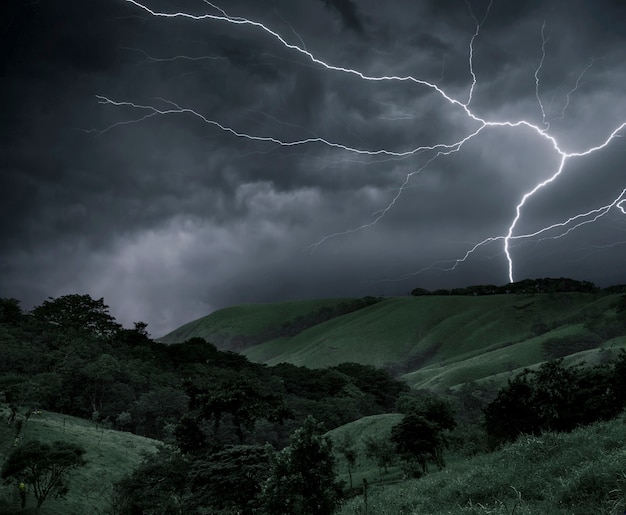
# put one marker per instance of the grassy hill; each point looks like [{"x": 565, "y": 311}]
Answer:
[
  {"x": 435, "y": 341},
  {"x": 375, "y": 426},
  {"x": 110, "y": 455},
  {"x": 225, "y": 326},
  {"x": 578, "y": 473}
]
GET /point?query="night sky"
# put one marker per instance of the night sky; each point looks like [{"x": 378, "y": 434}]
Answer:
[{"x": 194, "y": 201}]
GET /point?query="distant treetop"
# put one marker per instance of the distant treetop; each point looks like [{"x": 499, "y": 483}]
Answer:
[{"x": 526, "y": 286}]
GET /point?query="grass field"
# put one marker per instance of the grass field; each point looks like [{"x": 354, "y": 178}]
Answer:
[
  {"x": 110, "y": 455},
  {"x": 245, "y": 320},
  {"x": 580, "y": 473},
  {"x": 435, "y": 341},
  {"x": 444, "y": 340}
]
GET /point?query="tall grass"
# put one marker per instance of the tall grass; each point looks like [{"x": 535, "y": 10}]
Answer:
[{"x": 580, "y": 473}]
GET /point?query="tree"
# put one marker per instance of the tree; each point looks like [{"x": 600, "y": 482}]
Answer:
[
  {"x": 10, "y": 311},
  {"x": 555, "y": 391},
  {"x": 77, "y": 314},
  {"x": 44, "y": 467},
  {"x": 230, "y": 479},
  {"x": 347, "y": 448},
  {"x": 157, "y": 486},
  {"x": 302, "y": 477},
  {"x": 240, "y": 395},
  {"x": 437, "y": 411},
  {"x": 381, "y": 450},
  {"x": 512, "y": 412},
  {"x": 417, "y": 438}
]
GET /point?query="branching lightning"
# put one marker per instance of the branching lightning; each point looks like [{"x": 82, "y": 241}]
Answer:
[{"x": 558, "y": 230}]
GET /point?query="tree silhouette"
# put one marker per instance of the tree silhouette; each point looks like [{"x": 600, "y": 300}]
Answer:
[
  {"x": 302, "y": 479},
  {"x": 44, "y": 467}
]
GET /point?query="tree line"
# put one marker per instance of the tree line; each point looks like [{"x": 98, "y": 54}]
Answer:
[{"x": 526, "y": 287}]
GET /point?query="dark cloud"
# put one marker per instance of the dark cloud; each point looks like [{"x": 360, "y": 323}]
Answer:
[
  {"x": 348, "y": 11},
  {"x": 169, "y": 217}
]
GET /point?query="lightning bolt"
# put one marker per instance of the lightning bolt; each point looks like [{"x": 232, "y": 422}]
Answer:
[{"x": 169, "y": 108}]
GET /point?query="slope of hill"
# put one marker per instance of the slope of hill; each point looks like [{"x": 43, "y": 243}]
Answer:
[
  {"x": 435, "y": 341},
  {"x": 110, "y": 455},
  {"x": 569, "y": 473},
  {"x": 227, "y": 327}
]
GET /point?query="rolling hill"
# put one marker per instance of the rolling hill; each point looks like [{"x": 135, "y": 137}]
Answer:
[
  {"x": 110, "y": 455},
  {"x": 435, "y": 341}
]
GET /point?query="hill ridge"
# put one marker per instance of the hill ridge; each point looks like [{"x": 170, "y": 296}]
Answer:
[{"x": 457, "y": 338}]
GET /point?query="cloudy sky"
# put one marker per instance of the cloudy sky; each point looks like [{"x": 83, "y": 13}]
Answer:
[{"x": 285, "y": 149}]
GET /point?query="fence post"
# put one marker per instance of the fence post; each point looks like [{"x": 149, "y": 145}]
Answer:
[{"x": 365, "y": 494}]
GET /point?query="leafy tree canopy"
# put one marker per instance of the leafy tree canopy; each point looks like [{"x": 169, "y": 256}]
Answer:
[
  {"x": 44, "y": 467},
  {"x": 302, "y": 479},
  {"x": 77, "y": 313}
]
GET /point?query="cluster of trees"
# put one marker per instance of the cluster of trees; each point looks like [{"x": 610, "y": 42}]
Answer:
[
  {"x": 556, "y": 398},
  {"x": 527, "y": 286},
  {"x": 297, "y": 480},
  {"x": 419, "y": 438},
  {"x": 221, "y": 416},
  {"x": 69, "y": 355},
  {"x": 300, "y": 479}
]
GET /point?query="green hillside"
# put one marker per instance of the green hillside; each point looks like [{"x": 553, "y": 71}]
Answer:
[
  {"x": 435, "y": 341},
  {"x": 577, "y": 473},
  {"x": 226, "y": 326},
  {"x": 374, "y": 426},
  {"x": 110, "y": 455}
]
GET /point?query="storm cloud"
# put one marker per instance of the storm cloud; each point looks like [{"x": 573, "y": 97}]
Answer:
[{"x": 169, "y": 216}]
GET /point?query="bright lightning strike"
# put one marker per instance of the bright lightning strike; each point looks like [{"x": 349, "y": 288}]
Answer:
[{"x": 169, "y": 108}]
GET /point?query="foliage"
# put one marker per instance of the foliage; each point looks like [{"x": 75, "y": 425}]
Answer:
[
  {"x": 375, "y": 381},
  {"x": 302, "y": 479},
  {"x": 555, "y": 398},
  {"x": 156, "y": 486},
  {"x": 242, "y": 396},
  {"x": 44, "y": 467},
  {"x": 77, "y": 313},
  {"x": 422, "y": 434},
  {"x": 10, "y": 312},
  {"x": 381, "y": 450},
  {"x": 574, "y": 473},
  {"x": 416, "y": 439},
  {"x": 230, "y": 479},
  {"x": 526, "y": 286}
]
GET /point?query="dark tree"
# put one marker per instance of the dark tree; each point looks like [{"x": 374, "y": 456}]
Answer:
[
  {"x": 512, "y": 412},
  {"x": 44, "y": 467},
  {"x": 77, "y": 314},
  {"x": 230, "y": 479},
  {"x": 241, "y": 396},
  {"x": 554, "y": 396},
  {"x": 189, "y": 436},
  {"x": 437, "y": 411},
  {"x": 302, "y": 479},
  {"x": 417, "y": 438},
  {"x": 158, "y": 485},
  {"x": 10, "y": 312}
]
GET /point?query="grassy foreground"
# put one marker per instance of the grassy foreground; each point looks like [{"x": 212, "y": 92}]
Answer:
[
  {"x": 579, "y": 473},
  {"x": 110, "y": 455}
]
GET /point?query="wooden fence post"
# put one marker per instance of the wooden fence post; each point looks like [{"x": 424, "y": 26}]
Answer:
[{"x": 365, "y": 494}]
